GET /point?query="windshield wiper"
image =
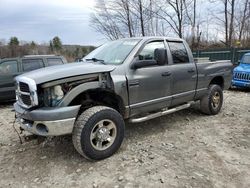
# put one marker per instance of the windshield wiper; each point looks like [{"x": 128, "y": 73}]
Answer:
[{"x": 96, "y": 60}]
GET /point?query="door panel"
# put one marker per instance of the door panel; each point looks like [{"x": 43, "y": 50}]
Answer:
[
  {"x": 149, "y": 87},
  {"x": 184, "y": 83},
  {"x": 184, "y": 74}
]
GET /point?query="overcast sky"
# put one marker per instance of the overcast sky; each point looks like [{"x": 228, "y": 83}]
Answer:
[{"x": 41, "y": 20}]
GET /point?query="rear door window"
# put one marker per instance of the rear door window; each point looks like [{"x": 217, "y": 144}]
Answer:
[
  {"x": 179, "y": 52},
  {"x": 32, "y": 64},
  {"x": 8, "y": 67},
  {"x": 54, "y": 61}
]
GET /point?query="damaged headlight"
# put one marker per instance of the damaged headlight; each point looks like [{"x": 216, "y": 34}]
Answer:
[{"x": 53, "y": 95}]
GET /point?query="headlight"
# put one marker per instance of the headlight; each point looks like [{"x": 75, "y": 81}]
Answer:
[{"x": 53, "y": 95}]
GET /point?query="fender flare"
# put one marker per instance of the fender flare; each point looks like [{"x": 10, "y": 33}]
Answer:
[{"x": 76, "y": 91}]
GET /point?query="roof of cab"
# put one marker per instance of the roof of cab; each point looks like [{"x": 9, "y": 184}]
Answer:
[{"x": 154, "y": 37}]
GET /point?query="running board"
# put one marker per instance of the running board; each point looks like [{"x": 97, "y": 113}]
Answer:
[{"x": 161, "y": 113}]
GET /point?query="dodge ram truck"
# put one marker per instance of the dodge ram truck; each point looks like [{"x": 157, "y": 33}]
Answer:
[{"x": 132, "y": 80}]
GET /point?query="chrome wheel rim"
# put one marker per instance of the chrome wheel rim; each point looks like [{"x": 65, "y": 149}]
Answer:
[
  {"x": 216, "y": 100},
  {"x": 103, "y": 134}
]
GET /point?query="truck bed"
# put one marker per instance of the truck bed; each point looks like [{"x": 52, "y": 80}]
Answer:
[{"x": 210, "y": 69}]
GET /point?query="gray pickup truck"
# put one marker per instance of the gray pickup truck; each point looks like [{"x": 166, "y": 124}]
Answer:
[
  {"x": 133, "y": 79},
  {"x": 11, "y": 67}
]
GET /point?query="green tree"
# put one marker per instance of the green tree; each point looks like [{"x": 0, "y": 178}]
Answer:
[
  {"x": 33, "y": 44},
  {"x": 13, "y": 41},
  {"x": 33, "y": 48},
  {"x": 13, "y": 46},
  {"x": 57, "y": 43}
]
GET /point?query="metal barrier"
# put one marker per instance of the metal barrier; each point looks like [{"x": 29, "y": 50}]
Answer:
[{"x": 233, "y": 54}]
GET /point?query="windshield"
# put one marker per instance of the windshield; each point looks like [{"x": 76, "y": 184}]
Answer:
[
  {"x": 246, "y": 59},
  {"x": 114, "y": 52}
]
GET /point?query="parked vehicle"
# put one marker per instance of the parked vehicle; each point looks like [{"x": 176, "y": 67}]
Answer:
[
  {"x": 133, "y": 79},
  {"x": 241, "y": 73},
  {"x": 11, "y": 67}
]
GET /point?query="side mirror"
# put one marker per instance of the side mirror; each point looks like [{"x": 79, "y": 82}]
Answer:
[
  {"x": 143, "y": 63},
  {"x": 160, "y": 56}
]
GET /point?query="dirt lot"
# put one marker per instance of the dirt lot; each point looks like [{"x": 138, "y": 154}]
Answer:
[{"x": 185, "y": 149}]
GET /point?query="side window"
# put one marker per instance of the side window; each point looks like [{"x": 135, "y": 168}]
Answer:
[
  {"x": 147, "y": 52},
  {"x": 8, "y": 67},
  {"x": 179, "y": 52},
  {"x": 54, "y": 61},
  {"x": 32, "y": 64}
]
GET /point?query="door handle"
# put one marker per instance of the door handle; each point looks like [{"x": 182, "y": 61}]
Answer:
[
  {"x": 191, "y": 70},
  {"x": 134, "y": 83},
  {"x": 166, "y": 74}
]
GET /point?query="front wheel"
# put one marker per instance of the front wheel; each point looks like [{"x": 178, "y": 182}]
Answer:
[
  {"x": 98, "y": 132},
  {"x": 212, "y": 102}
]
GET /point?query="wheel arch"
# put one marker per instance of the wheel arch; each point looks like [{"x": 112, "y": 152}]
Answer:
[
  {"x": 71, "y": 95},
  {"x": 99, "y": 96},
  {"x": 218, "y": 80}
]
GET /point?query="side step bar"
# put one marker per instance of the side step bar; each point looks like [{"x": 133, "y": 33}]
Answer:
[{"x": 161, "y": 113}]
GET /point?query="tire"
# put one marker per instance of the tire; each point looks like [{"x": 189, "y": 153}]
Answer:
[
  {"x": 98, "y": 132},
  {"x": 212, "y": 102}
]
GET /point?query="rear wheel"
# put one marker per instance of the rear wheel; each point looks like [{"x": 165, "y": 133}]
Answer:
[
  {"x": 212, "y": 102},
  {"x": 98, "y": 132}
]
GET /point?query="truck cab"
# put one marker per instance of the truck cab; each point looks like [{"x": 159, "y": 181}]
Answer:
[{"x": 241, "y": 73}]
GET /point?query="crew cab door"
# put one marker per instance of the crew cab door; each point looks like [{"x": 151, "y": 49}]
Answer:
[
  {"x": 149, "y": 86},
  {"x": 8, "y": 71},
  {"x": 184, "y": 73}
]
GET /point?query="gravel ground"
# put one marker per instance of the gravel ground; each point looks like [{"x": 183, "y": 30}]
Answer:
[{"x": 184, "y": 149}]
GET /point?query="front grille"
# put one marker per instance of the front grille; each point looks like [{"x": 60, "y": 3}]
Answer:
[
  {"x": 242, "y": 76},
  {"x": 24, "y": 87},
  {"x": 25, "y": 99},
  {"x": 26, "y": 92}
]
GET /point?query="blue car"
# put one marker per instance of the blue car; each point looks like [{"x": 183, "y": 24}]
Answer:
[{"x": 241, "y": 73}]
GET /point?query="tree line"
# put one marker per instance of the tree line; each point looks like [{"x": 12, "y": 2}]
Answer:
[
  {"x": 202, "y": 23},
  {"x": 16, "y": 48}
]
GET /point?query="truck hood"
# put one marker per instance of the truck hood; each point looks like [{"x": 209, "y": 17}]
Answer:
[
  {"x": 67, "y": 70},
  {"x": 242, "y": 68}
]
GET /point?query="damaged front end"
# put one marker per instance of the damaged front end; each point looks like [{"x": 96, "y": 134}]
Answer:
[
  {"x": 54, "y": 92},
  {"x": 46, "y": 109}
]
